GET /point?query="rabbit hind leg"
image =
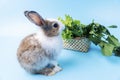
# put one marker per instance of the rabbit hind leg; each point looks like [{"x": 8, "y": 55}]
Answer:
[{"x": 47, "y": 71}]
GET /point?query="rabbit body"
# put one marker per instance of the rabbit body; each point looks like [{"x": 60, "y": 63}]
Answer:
[{"x": 37, "y": 51}]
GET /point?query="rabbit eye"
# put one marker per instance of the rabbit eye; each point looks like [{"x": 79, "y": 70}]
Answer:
[{"x": 55, "y": 25}]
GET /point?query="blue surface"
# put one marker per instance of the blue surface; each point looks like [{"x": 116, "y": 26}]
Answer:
[{"x": 76, "y": 65}]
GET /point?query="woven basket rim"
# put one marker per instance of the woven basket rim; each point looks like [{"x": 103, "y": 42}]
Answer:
[{"x": 76, "y": 39}]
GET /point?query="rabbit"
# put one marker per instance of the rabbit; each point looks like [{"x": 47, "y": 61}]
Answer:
[{"x": 38, "y": 52}]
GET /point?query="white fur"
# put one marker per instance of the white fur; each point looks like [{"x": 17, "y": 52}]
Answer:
[{"x": 51, "y": 44}]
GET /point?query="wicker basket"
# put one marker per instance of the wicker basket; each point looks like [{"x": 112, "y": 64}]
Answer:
[{"x": 82, "y": 44}]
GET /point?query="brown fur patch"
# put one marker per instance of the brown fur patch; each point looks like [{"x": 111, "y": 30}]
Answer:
[{"x": 28, "y": 45}]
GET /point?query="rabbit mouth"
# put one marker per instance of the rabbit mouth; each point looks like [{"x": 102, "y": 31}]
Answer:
[
  {"x": 52, "y": 35},
  {"x": 55, "y": 35}
]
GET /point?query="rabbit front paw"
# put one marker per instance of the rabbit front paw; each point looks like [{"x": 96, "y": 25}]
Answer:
[{"x": 57, "y": 69}]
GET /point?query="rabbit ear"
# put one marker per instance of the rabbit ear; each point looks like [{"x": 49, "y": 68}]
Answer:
[{"x": 35, "y": 18}]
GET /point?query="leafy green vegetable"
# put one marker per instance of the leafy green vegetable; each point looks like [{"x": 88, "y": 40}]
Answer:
[
  {"x": 73, "y": 28},
  {"x": 95, "y": 32}
]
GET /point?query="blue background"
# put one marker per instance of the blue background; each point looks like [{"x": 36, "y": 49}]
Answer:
[{"x": 76, "y": 65}]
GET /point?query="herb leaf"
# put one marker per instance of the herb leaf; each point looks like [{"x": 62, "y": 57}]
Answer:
[
  {"x": 106, "y": 48},
  {"x": 112, "y": 26},
  {"x": 111, "y": 39}
]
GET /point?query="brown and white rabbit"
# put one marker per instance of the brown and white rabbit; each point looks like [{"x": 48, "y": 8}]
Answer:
[{"x": 38, "y": 52}]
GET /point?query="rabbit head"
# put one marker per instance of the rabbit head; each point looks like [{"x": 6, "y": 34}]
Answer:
[{"x": 50, "y": 27}]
